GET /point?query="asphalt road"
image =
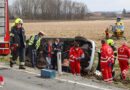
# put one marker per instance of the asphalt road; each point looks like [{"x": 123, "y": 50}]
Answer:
[{"x": 19, "y": 80}]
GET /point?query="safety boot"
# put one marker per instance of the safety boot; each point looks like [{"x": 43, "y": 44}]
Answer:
[
  {"x": 21, "y": 67},
  {"x": 11, "y": 64}
]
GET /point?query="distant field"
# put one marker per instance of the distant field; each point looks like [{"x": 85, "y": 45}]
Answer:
[{"x": 93, "y": 30}]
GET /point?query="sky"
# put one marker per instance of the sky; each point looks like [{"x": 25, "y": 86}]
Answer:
[{"x": 103, "y": 5}]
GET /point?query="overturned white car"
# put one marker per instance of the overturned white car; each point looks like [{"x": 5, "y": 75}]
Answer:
[{"x": 88, "y": 46}]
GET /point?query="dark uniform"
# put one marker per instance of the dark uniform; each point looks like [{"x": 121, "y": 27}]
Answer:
[
  {"x": 56, "y": 48},
  {"x": 18, "y": 38}
]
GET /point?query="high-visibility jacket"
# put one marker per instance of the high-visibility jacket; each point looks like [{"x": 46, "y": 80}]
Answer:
[
  {"x": 119, "y": 23},
  {"x": 35, "y": 41},
  {"x": 107, "y": 55},
  {"x": 13, "y": 25},
  {"x": 123, "y": 53},
  {"x": 74, "y": 54}
]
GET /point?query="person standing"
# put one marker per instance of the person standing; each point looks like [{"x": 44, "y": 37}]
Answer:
[
  {"x": 57, "y": 47},
  {"x": 123, "y": 57},
  {"x": 48, "y": 52},
  {"x": 33, "y": 45},
  {"x": 111, "y": 43},
  {"x": 107, "y": 59},
  {"x": 18, "y": 43},
  {"x": 75, "y": 55}
]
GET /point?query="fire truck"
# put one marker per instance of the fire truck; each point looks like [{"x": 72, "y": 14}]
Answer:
[{"x": 4, "y": 28}]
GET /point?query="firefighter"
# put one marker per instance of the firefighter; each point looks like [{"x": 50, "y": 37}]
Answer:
[
  {"x": 33, "y": 45},
  {"x": 75, "y": 55},
  {"x": 123, "y": 57},
  {"x": 111, "y": 43},
  {"x": 18, "y": 43},
  {"x": 107, "y": 58}
]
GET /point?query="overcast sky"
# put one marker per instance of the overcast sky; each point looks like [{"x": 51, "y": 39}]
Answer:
[{"x": 103, "y": 5}]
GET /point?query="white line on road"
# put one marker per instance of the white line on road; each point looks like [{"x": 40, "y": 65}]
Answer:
[
  {"x": 82, "y": 84},
  {"x": 63, "y": 80}
]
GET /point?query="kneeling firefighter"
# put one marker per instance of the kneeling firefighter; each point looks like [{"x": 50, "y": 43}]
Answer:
[
  {"x": 34, "y": 44},
  {"x": 17, "y": 43}
]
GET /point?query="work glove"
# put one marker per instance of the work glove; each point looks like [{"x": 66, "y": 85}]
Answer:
[
  {"x": 82, "y": 57},
  {"x": 110, "y": 64}
]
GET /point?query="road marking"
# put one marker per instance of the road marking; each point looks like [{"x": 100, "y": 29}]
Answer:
[
  {"x": 82, "y": 84},
  {"x": 63, "y": 80}
]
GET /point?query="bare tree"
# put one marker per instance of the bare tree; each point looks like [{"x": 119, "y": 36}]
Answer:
[{"x": 48, "y": 9}]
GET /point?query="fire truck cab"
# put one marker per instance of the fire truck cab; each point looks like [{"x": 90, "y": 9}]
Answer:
[{"x": 4, "y": 28}]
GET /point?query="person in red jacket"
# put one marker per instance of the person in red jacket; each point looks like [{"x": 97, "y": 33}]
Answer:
[
  {"x": 107, "y": 59},
  {"x": 123, "y": 57},
  {"x": 75, "y": 55}
]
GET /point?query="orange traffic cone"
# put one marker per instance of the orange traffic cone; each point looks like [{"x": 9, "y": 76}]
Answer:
[{"x": 2, "y": 83}]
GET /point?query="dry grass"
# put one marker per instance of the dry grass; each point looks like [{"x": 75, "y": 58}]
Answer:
[{"x": 93, "y": 30}]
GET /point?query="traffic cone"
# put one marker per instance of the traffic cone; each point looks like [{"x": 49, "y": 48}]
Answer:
[{"x": 2, "y": 83}]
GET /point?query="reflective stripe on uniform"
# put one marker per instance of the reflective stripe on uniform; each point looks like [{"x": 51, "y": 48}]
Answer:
[
  {"x": 112, "y": 55},
  {"x": 71, "y": 60},
  {"x": 106, "y": 60},
  {"x": 11, "y": 34},
  {"x": 103, "y": 58},
  {"x": 71, "y": 55},
  {"x": 106, "y": 79},
  {"x": 110, "y": 78},
  {"x": 123, "y": 55},
  {"x": 38, "y": 44},
  {"x": 123, "y": 58},
  {"x": 22, "y": 63}
]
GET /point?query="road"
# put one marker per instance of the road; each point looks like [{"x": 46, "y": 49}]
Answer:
[{"x": 20, "y": 80}]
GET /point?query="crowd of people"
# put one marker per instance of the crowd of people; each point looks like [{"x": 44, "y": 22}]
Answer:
[{"x": 107, "y": 53}]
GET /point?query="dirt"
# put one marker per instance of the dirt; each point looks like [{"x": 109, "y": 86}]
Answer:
[{"x": 93, "y": 30}]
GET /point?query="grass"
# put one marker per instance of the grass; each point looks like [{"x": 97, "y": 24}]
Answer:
[
  {"x": 93, "y": 30},
  {"x": 6, "y": 59}
]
